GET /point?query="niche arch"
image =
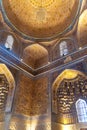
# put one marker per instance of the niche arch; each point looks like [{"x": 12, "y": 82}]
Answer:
[{"x": 68, "y": 87}]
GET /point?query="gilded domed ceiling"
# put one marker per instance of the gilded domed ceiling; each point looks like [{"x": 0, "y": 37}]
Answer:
[{"x": 40, "y": 19}]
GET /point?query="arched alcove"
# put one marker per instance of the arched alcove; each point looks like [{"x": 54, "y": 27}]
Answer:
[
  {"x": 63, "y": 47},
  {"x": 9, "y": 41},
  {"x": 68, "y": 87}
]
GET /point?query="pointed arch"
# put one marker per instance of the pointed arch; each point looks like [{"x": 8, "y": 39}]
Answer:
[{"x": 81, "y": 108}]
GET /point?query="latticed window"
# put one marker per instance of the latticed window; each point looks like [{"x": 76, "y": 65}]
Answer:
[
  {"x": 9, "y": 42},
  {"x": 63, "y": 48},
  {"x": 81, "y": 108}
]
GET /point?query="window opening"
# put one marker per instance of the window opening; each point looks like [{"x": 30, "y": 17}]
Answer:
[
  {"x": 63, "y": 48},
  {"x": 81, "y": 108},
  {"x": 9, "y": 42}
]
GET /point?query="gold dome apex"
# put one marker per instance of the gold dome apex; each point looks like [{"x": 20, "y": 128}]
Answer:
[{"x": 40, "y": 19}]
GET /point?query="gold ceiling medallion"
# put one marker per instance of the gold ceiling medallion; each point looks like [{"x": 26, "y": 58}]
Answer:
[
  {"x": 41, "y": 14},
  {"x": 42, "y": 3}
]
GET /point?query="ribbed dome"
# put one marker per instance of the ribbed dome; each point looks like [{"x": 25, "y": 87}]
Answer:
[{"x": 41, "y": 18}]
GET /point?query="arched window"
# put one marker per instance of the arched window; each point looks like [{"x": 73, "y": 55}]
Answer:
[
  {"x": 9, "y": 42},
  {"x": 81, "y": 108},
  {"x": 63, "y": 48}
]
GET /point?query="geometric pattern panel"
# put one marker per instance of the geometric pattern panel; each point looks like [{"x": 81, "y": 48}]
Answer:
[{"x": 31, "y": 96}]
